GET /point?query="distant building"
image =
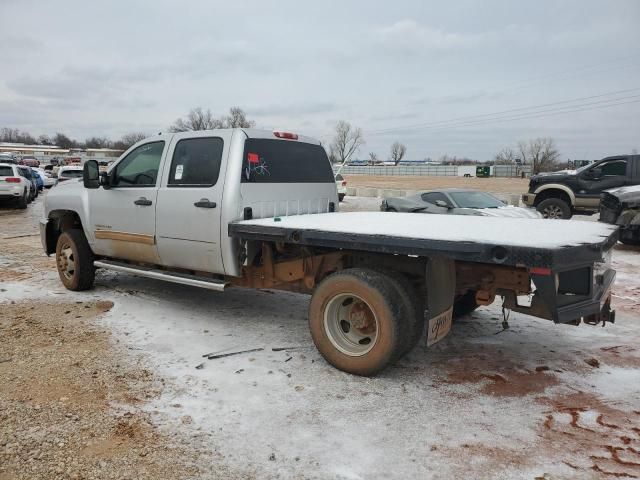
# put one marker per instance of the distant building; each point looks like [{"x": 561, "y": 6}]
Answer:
[
  {"x": 22, "y": 149},
  {"x": 46, "y": 153}
]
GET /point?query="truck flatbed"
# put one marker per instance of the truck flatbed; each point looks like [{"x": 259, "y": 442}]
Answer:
[{"x": 504, "y": 241}]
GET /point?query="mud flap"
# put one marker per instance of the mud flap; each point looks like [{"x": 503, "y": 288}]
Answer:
[{"x": 441, "y": 289}]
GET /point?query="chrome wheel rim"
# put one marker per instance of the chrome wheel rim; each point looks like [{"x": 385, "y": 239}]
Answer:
[
  {"x": 552, "y": 211},
  {"x": 351, "y": 325},
  {"x": 66, "y": 262}
]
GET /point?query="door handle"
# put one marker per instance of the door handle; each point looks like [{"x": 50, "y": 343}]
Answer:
[
  {"x": 205, "y": 203},
  {"x": 143, "y": 201}
]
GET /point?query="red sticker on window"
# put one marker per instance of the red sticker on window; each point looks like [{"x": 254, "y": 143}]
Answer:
[{"x": 253, "y": 158}]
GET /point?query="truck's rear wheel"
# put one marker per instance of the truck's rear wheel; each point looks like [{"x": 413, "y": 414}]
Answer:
[
  {"x": 74, "y": 260},
  {"x": 358, "y": 321},
  {"x": 554, "y": 208}
]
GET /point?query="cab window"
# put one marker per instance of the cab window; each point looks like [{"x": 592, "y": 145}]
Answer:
[
  {"x": 196, "y": 162},
  {"x": 140, "y": 167},
  {"x": 614, "y": 168}
]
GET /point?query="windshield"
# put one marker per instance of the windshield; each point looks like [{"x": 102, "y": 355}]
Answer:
[
  {"x": 475, "y": 200},
  {"x": 584, "y": 167}
]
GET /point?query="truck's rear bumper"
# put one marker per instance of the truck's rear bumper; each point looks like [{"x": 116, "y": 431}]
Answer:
[{"x": 597, "y": 308}]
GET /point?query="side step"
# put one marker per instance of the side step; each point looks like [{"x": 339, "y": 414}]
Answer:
[{"x": 183, "y": 279}]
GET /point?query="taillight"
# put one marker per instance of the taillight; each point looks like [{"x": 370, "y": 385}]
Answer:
[
  {"x": 12, "y": 180},
  {"x": 287, "y": 135},
  {"x": 344, "y": 183}
]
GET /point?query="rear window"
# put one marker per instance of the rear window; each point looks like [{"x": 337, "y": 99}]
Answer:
[
  {"x": 282, "y": 161},
  {"x": 6, "y": 172}
]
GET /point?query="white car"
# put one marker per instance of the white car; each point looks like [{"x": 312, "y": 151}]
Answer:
[
  {"x": 341, "y": 185},
  {"x": 47, "y": 180},
  {"x": 69, "y": 172},
  {"x": 14, "y": 186}
]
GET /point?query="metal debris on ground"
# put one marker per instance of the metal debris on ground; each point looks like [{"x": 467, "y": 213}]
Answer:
[{"x": 222, "y": 355}]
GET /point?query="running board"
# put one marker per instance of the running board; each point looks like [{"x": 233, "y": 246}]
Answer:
[{"x": 183, "y": 279}]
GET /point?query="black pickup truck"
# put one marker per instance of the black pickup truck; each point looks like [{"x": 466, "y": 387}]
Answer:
[{"x": 565, "y": 193}]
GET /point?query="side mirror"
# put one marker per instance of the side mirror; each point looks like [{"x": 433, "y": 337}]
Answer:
[
  {"x": 91, "y": 174},
  {"x": 594, "y": 173},
  {"x": 442, "y": 203}
]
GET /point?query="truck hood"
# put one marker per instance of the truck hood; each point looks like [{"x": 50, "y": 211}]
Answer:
[
  {"x": 548, "y": 177},
  {"x": 629, "y": 197}
]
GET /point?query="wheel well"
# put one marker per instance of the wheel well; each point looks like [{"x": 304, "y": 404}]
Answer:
[
  {"x": 553, "y": 193},
  {"x": 60, "y": 221}
]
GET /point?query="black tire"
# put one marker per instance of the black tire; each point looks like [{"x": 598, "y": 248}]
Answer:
[
  {"x": 413, "y": 305},
  {"x": 554, "y": 208},
  {"x": 23, "y": 201},
  {"x": 358, "y": 303},
  {"x": 465, "y": 304},
  {"x": 72, "y": 250},
  {"x": 391, "y": 209},
  {"x": 341, "y": 196}
]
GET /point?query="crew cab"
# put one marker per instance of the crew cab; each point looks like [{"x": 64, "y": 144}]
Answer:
[
  {"x": 258, "y": 209},
  {"x": 562, "y": 194}
]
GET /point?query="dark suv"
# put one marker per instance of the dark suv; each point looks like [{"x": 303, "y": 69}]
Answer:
[{"x": 562, "y": 194}]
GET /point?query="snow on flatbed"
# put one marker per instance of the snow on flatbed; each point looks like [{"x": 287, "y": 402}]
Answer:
[{"x": 514, "y": 232}]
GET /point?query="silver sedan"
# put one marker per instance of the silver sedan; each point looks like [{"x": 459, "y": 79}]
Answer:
[{"x": 456, "y": 202}]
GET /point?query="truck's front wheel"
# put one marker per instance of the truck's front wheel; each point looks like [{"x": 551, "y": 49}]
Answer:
[
  {"x": 358, "y": 322},
  {"x": 74, "y": 260},
  {"x": 554, "y": 208}
]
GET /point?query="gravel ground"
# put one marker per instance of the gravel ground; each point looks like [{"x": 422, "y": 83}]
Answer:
[{"x": 70, "y": 393}]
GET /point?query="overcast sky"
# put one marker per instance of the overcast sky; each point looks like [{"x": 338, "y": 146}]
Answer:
[{"x": 400, "y": 70}]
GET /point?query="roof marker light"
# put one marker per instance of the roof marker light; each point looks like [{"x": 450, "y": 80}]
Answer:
[
  {"x": 287, "y": 135},
  {"x": 540, "y": 271}
]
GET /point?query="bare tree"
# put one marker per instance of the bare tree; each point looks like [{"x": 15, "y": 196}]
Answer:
[
  {"x": 397, "y": 152},
  {"x": 237, "y": 119},
  {"x": 197, "y": 119},
  {"x": 346, "y": 142},
  {"x": 634, "y": 151},
  {"x": 373, "y": 158},
  {"x": 129, "y": 139},
  {"x": 61, "y": 140},
  {"x": 541, "y": 153},
  {"x": 506, "y": 156},
  {"x": 97, "y": 142},
  {"x": 44, "y": 140}
]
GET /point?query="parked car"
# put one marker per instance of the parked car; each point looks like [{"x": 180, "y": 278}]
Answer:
[
  {"x": 621, "y": 206},
  {"x": 69, "y": 172},
  {"x": 568, "y": 192},
  {"x": 13, "y": 185},
  {"x": 341, "y": 185},
  {"x": 29, "y": 175},
  {"x": 46, "y": 176},
  {"x": 456, "y": 201},
  {"x": 39, "y": 178},
  {"x": 8, "y": 158},
  {"x": 29, "y": 161},
  {"x": 47, "y": 181}
]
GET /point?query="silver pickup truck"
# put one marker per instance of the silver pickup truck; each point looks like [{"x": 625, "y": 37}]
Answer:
[{"x": 257, "y": 209}]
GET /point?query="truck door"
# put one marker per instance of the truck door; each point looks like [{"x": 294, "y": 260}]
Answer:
[
  {"x": 190, "y": 202},
  {"x": 122, "y": 217},
  {"x": 592, "y": 182}
]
